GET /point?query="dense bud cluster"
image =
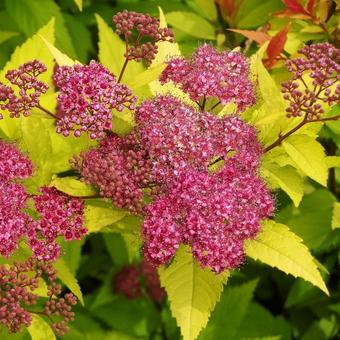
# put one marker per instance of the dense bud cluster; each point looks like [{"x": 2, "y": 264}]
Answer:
[
  {"x": 120, "y": 168},
  {"x": 148, "y": 33},
  {"x": 17, "y": 285},
  {"x": 87, "y": 95},
  {"x": 25, "y": 78},
  {"x": 315, "y": 75},
  {"x": 209, "y": 73},
  {"x": 134, "y": 280},
  {"x": 60, "y": 215}
]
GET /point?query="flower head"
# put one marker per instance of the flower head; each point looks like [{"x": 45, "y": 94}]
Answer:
[
  {"x": 315, "y": 75},
  {"x": 25, "y": 78},
  {"x": 143, "y": 46},
  {"x": 209, "y": 73},
  {"x": 88, "y": 94}
]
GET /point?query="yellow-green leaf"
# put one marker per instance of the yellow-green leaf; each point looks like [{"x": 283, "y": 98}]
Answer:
[
  {"x": 65, "y": 275},
  {"x": 192, "y": 291},
  {"x": 286, "y": 178},
  {"x": 147, "y": 76},
  {"x": 100, "y": 214},
  {"x": 79, "y": 4},
  {"x": 192, "y": 24},
  {"x": 208, "y": 8},
  {"x": 333, "y": 161},
  {"x": 72, "y": 186},
  {"x": 61, "y": 58},
  {"x": 111, "y": 52},
  {"x": 279, "y": 247},
  {"x": 308, "y": 155},
  {"x": 40, "y": 329},
  {"x": 336, "y": 216}
]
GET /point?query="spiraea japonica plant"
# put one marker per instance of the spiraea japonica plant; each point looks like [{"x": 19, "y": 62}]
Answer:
[{"x": 180, "y": 155}]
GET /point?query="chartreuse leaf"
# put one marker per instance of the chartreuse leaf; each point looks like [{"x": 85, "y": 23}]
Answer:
[
  {"x": 40, "y": 329},
  {"x": 79, "y": 4},
  {"x": 192, "y": 291},
  {"x": 278, "y": 247},
  {"x": 208, "y": 8},
  {"x": 112, "y": 50},
  {"x": 192, "y": 24},
  {"x": 336, "y": 216},
  {"x": 309, "y": 156},
  {"x": 286, "y": 178},
  {"x": 61, "y": 58},
  {"x": 234, "y": 303},
  {"x": 65, "y": 275},
  {"x": 5, "y": 35},
  {"x": 100, "y": 214},
  {"x": 32, "y": 48},
  {"x": 72, "y": 186}
]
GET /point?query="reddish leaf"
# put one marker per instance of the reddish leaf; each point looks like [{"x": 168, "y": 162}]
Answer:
[
  {"x": 258, "y": 36},
  {"x": 276, "y": 45},
  {"x": 287, "y": 13},
  {"x": 294, "y": 6},
  {"x": 310, "y": 6}
]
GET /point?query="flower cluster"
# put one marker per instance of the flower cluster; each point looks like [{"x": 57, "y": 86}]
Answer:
[
  {"x": 60, "y": 215},
  {"x": 209, "y": 73},
  {"x": 131, "y": 281},
  {"x": 148, "y": 33},
  {"x": 120, "y": 168},
  {"x": 87, "y": 95},
  {"x": 17, "y": 286},
  {"x": 315, "y": 75},
  {"x": 25, "y": 78}
]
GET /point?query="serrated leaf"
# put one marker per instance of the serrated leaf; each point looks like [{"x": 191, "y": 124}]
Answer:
[
  {"x": 234, "y": 303},
  {"x": 286, "y": 178},
  {"x": 147, "y": 76},
  {"x": 309, "y": 156},
  {"x": 60, "y": 58},
  {"x": 65, "y": 275},
  {"x": 72, "y": 186},
  {"x": 111, "y": 52},
  {"x": 278, "y": 247},
  {"x": 40, "y": 329},
  {"x": 336, "y": 216},
  {"x": 100, "y": 214},
  {"x": 192, "y": 291},
  {"x": 192, "y": 24}
]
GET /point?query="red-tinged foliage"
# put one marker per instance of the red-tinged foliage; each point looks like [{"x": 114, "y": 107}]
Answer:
[
  {"x": 258, "y": 36},
  {"x": 229, "y": 9},
  {"x": 294, "y": 6},
  {"x": 310, "y": 6},
  {"x": 276, "y": 46}
]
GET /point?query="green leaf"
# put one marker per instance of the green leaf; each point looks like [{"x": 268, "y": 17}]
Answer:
[
  {"x": 100, "y": 214},
  {"x": 191, "y": 24},
  {"x": 79, "y": 4},
  {"x": 192, "y": 291},
  {"x": 40, "y": 329},
  {"x": 111, "y": 52},
  {"x": 5, "y": 35},
  {"x": 286, "y": 178},
  {"x": 278, "y": 247},
  {"x": 60, "y": 58},
  {"x": 309, "y": 156},
  {"x": 234, "y": 303},
  {"x": 208, "y": 8},
  {"x": 336, "y": 216},
  {"x": 147, "y": 76},
  {"x": 72, "y": 186},
  {"x": 33, "y": 14},
  {"x": 65, "y": 275}
]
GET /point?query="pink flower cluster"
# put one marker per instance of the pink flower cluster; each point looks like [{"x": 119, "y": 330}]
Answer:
[
  {"x": 143, "y": 46},
  {"x": 131, "y": 281},
  {"x": 120, "y": 168},
  {"x": 17, "y": 293},
  {"x": 321, "y": 64},
  {"x": 60, "y": 215},
  {"x": 213, "y": 211},
  {"x": 87, "y": 95},
  {"x": 209, "y": 73},
  {"x": 25, "y": 78}
]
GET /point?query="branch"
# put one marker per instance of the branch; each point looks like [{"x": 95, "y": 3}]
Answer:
[{"x": 46, "y": 111}]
